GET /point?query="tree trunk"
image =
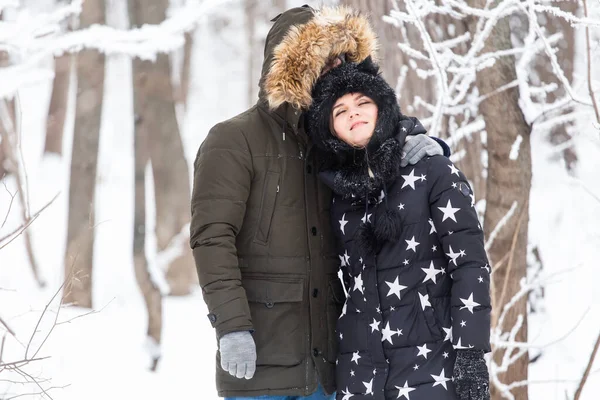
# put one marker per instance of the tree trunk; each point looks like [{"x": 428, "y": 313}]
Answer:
[
  {"x": 184, "y": 83},
  {"x": 84, "y": 159},
  {"x": 151, "y": 294},
  {"x": 155, "y": 113},
  {"x": 58, "y": 104},
  {"x": 508, "y": 182},
  {"x": 566, "y": 53}
]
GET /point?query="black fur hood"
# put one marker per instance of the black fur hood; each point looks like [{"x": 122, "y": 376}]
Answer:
[{"x": 351, "y": 77}]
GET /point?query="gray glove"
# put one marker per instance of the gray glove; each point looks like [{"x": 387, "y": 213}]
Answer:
[
  {"x": 238, "y": 354},
  {"x": 418, "y": 146},
  {"x": 471, "y": 375}
]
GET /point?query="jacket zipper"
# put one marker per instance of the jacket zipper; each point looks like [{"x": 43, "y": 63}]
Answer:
[{"x": 308, "y": 359}]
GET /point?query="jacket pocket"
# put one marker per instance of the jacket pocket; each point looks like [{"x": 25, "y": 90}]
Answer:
[
  {"x": 267, "y": 207},
  {"x": 277, "y": 312},
  {"x": 335, "y": 301},
  {"x": 432, "y": 321}
]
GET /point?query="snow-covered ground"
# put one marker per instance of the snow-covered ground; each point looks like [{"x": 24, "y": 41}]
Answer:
[{"x": 104, "y": 355}]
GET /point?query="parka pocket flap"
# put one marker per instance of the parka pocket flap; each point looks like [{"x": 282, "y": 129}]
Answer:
[
  {"x": 271, "y": 292},
  {"x": 267, "y": 207}
]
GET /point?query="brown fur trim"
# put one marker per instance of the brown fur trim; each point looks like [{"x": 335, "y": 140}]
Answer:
[{"x": 305, "y": 50}]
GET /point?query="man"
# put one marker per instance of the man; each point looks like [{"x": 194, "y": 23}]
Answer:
[{"x": 260, "y": 230}]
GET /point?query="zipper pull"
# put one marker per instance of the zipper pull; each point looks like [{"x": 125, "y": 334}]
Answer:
[
  {"x": 301, "y": 155},
  {"x": 277, "y": 188}
]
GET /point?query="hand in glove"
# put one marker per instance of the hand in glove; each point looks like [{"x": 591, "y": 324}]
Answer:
[
  {"x": 418, "y": 146},
  {"x": 471, "y": 376},
  {"x": 238, "y": 354}
]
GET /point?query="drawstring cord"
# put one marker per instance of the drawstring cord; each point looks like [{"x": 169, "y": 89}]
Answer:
[{"x": 283, "y": 123}]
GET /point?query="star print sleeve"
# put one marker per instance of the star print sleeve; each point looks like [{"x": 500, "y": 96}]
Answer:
[{"x": 454, "y": 217}]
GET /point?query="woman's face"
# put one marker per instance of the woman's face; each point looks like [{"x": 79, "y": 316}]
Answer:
[{"x": 354, "y": 117}]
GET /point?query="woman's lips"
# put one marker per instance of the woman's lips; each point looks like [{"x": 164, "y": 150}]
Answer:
[{"x": 356, "y": 124}]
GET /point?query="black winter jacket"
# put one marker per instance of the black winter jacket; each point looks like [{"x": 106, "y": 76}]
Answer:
[{"x": 416, "y": 296}]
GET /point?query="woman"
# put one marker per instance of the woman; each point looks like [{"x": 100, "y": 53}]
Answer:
[{"x": 416, "y": 321}]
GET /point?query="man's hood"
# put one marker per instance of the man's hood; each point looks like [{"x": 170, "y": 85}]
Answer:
[{"x": 301, "y": 42}]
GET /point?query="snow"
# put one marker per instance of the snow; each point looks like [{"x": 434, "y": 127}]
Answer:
[{"x": 106, "y": 354}]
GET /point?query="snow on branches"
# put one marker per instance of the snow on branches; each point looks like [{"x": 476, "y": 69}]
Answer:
[
  {"x": 29, "y": 39},
  {"x": 453, "y": 60}
]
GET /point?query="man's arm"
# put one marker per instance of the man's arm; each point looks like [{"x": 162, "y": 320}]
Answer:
[{"x": 222, "y": 179}]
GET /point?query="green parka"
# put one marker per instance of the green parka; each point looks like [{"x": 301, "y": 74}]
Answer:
[{"x": 260, "y": 229}]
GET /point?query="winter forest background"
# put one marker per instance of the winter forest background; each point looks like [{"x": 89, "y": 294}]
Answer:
[{"x": 103, "y": 104}]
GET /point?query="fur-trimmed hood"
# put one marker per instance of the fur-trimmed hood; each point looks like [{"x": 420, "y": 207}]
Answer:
[{"x": 301, "y": 42}]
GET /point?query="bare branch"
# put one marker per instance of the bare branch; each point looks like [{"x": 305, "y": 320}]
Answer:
[
  {"x": 18, "y": 231},
  {"x": 589, "y": 366},
  {"x": 12, "y": 199},
  {"x": 7, "y": 327}
]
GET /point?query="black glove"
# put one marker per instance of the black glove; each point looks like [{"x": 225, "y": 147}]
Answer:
[{"x": 471, "y": 376}]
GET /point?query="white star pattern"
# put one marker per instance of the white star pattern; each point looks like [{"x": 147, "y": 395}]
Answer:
[
  {"x": 416, "y": 367},
  {"x": 432, "y": 230},
  {"x": 355, "y": 357},
  {"x": 449, "y": 211},
  {"x": 448, "y": 333},
  {"x": 453, "y": 256},
  {"x": 405, "y": 262},
  {"x": 358, "y": 284},
  {"x": 412, "y": 244},
  {"x": 343, "y": 223},
  {"x": 459, "y": 345},
  {"x": 381, "y": 197},
  {"x": 387, "y": 333},
  {"x": 403, "y": 391},
  {"x": 347, "y": 394},
  {"x": 409, "y": 180},
  {"x": 401, "y": 206},
  {"x": 366, "y": 218},
  {"x": 423, "y": 351},
  {"x": 463, "y": 323},
  {"x": 375, "y": 325},
  {"x": 469, "y": 303},
  {"x": 480, "y": 279},
  {"x": 441, "y": 379},
  {"x": 369, "y": 386},
  {"x": 424, "y": 301},
  {"x": 446, "y": 355},
  {"x": 453, "y": 170},
  {"x": 395, "y": 288},
  {"x": 431, "y": 273}
]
